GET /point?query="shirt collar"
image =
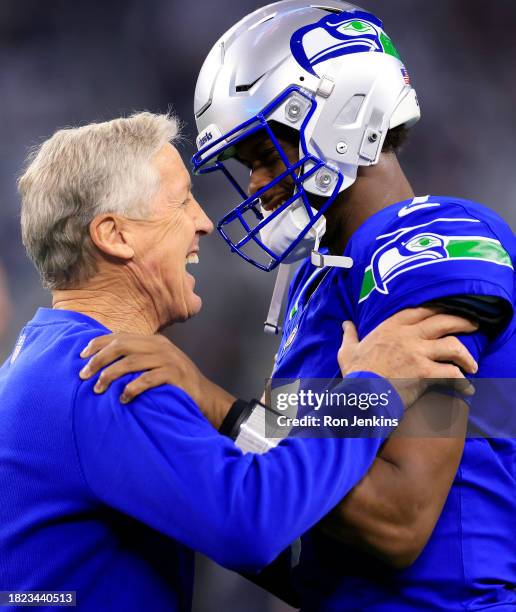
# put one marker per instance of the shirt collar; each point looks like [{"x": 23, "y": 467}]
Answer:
[{"x": 46, "y": 316}]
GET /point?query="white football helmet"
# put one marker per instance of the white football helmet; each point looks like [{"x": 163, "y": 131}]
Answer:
[{"x": 326, "y": 69}]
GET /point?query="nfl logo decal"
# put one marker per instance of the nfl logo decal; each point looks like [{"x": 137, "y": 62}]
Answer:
[{"x": 290, "y": 339}]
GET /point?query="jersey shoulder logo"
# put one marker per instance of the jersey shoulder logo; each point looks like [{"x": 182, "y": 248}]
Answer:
[
  {"x": 417, "y": 204},
  {"x": 416, "y": 247},
  {"x": 339, "y": 34}
]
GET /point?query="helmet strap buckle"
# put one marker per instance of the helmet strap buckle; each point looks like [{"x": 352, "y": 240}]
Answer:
[{"x": 321, "y": 260}]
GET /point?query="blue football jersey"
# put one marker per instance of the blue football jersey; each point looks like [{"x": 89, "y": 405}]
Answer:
[{"x": 408, "y": 254}]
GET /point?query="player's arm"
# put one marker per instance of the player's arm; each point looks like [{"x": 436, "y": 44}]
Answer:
[
  {"x": 392, "y": 512},
  {"x": 451, "y": 253},
  {"x": 394, "y": 509}
]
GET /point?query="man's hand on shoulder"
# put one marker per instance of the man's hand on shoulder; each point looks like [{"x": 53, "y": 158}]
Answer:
[{"x": 161, "y": 362}]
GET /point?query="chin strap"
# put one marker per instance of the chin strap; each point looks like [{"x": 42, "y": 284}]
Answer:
[
  {"x": 320, "y": 260},
  {"x": 271, "y": 326}
]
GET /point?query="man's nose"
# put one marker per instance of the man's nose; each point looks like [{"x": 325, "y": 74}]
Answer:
[
  {"x": 203, "y": 223},
  {"x": 257, "y": 180}
]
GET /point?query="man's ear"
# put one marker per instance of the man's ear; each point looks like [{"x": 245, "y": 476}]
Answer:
[{"x": 109, "y": 236}]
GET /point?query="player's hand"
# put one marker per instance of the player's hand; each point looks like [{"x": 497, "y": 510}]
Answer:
[
  {"x": 161, "y": 363},
  {"x": 414, "y": 346}
]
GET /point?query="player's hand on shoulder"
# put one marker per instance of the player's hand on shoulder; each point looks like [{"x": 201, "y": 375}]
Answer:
[{"x": 414, "y": 346}]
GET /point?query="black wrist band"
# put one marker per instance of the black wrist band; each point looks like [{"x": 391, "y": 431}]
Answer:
[{"x": 238, "y": 413}]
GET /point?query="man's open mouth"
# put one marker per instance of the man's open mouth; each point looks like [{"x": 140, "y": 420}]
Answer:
[{"x": 192, "y": 258}]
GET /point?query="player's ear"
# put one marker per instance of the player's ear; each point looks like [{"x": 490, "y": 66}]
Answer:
[{"x": 109, "y": 234}]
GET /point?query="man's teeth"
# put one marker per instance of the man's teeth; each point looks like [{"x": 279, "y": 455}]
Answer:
[{"x": 193, "y": 258}]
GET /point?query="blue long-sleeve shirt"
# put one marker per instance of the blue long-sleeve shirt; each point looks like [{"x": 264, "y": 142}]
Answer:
[{"x": 110, "y": 500}]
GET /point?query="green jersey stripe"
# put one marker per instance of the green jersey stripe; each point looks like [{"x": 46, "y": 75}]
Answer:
[{"x": 481, "y": 249}]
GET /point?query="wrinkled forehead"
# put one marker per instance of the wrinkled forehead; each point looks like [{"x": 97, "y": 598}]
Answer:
[{"x": 175, "y": 179}]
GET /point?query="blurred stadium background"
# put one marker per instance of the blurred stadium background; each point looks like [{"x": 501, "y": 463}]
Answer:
[{"x": 68, "y": 63}]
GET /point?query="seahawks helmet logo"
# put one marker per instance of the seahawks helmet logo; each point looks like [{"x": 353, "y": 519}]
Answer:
[
  {"x": 339, "y": 34},
  {"x": 392, "y": 259}
]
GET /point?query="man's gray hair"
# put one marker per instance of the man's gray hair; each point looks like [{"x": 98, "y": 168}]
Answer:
[{"x": 82, "y": 172}]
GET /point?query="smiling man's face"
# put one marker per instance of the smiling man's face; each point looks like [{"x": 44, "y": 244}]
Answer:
[{"x": 168, "y": 240}]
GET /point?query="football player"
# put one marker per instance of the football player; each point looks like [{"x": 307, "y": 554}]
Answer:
[{"x": 315, "y": 101}]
